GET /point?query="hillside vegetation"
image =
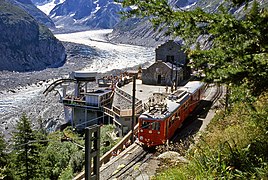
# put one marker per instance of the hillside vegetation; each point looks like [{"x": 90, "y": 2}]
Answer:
[{"x": 35, "y": 154}]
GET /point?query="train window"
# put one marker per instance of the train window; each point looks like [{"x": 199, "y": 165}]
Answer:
[
  {"x": 185, "y": 106},
  {"x": 178, "y": 115},
  {"x": 145, "y": 125},
  {"x": 156, "y": 126}
]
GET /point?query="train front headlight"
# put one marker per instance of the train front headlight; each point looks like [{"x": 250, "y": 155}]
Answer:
[{"x": 141, "y": 138}]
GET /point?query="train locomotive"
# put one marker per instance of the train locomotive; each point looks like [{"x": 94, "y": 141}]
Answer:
[{"x": 166, "y": 112}]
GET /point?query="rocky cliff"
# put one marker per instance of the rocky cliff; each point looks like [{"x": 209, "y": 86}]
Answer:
[
  {"x": 25, "y": 44},
  {"x": 140, "y": 31},
  {"x": 31, "y": 9},
  {"x": 86, "y": 13}
]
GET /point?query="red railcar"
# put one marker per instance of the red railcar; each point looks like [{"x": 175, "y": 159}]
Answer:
[{"x": 166, "y": 113}]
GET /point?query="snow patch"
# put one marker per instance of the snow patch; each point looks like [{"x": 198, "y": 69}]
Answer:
[
  {"x": 46, "y": 8},
  {"x": 189, "y": 6},
  {"x": 112, "y": 56}
]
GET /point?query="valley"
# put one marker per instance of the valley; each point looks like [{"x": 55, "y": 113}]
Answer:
[{"x": 90, "y": 50}]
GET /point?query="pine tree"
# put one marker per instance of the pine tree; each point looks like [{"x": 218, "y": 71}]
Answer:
[
  {"x": 3, "y": 156},
  {"x": 26, "y": 150}
]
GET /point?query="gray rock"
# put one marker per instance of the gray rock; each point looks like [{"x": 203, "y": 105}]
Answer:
[
  {"x": 86, "y": 13},
  {"x": 172, "y": 155},
  {"x": 37, "y": 14},
  {"x": 26, "y": 45}
]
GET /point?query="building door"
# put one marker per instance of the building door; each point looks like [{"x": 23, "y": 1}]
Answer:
[{"x": 159, "y": 79}]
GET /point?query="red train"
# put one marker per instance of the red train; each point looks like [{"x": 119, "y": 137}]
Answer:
[{"x": 166, "y": 113}]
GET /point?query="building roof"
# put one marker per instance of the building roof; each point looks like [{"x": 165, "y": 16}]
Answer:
[
  {"x": 177, "y": 42},
  {"x": 168, "y": 64}
]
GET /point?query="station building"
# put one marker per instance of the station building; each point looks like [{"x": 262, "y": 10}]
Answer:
[{"x": 170, "y": 67}]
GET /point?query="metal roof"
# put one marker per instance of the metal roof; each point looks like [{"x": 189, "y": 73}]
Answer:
[{"x": 164, "y": 108}]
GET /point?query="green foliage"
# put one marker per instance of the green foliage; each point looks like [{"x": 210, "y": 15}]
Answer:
[
  {"x": 36, "y": 155},
  {"x": 25, "y": 164},
  {"x": 57, "y": 156},
  {"x": 237, "y": 54},
  {"x": 3, "y": 157},
  {"x": 67, "y": 174},
  {"x": 107, "y": 137}
]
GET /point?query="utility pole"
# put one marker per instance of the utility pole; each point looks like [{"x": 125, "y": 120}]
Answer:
[
  {"x": 176, "y": 78},
  {"x": 92, "y": 152},
  {"x": 133, "y": 107},
  {"x": 171, "y": 77}
]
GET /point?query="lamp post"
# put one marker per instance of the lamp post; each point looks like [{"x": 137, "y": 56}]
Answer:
[{"x": 133, "y": 107}]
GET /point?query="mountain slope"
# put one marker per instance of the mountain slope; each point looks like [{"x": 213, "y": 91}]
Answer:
[
  {"x": 88, "y": 13},
  {"x": 25, "y": 44},
  {"x": 37, "y": 14},
  {"x": 140, "y": 32}
]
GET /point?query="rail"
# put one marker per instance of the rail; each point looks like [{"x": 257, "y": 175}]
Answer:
[
  {"x": 126, "y": 96},
  {"x": 108, "y": 111}
]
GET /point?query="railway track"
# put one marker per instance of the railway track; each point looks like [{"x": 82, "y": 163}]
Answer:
[
  {"x": 217, "y": 95},
  {"x": 127, "y": 162}
]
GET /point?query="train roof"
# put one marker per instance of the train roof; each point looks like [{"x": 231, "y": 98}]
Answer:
[
  {"x": 159, "y": 109},
  {"x": 192, "y": 86}
]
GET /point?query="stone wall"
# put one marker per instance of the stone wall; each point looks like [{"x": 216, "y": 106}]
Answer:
[
  {"x": 171, "y": 49},
  {"x": 160, "y": 73}
]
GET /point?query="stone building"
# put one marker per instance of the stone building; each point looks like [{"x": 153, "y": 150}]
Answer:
[
  {"x": 170, "y": 67},
  {"x": 162, "y": 73},
  {"x": 171, "y": 52}
]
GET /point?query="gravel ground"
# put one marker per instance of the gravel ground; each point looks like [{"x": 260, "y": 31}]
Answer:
[
  {"x": 78, "y": 56},
  {"x": 23, "y": 91}
]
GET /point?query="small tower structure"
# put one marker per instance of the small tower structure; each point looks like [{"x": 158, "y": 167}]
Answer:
[{"x": 86, "y": 103}]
